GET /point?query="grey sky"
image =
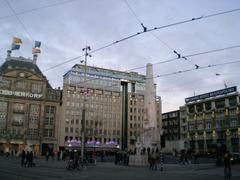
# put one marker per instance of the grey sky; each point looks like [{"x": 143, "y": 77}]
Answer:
[{"x": 65, "y": 29}]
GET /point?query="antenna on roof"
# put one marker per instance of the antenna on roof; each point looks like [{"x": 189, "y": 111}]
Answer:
[{"x": 225, "y": 84}]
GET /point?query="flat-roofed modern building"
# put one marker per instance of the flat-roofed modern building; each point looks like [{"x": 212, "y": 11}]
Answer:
[
  {"x": 214, "y": 120},
  {"x": 103, "y": 104},
  {"x": 29, "y": 107}
]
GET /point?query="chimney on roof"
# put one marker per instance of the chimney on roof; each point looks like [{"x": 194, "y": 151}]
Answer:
[
  {"x": 35, "y": 58},
  {"x": 8, "y": 55}
]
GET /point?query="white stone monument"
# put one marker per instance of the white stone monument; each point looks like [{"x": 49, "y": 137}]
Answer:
[{"x": 150, "y": 137}]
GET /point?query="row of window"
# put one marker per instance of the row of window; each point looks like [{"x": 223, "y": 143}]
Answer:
[
  {"x": 219, "y": 104},
  {"x": 22, "y": 85},
  {"x": 209, "y": 124},
  {"x": 18, "y": 116},
  {"x": 92, "y": 132},
  {"x": 115, "y": 106}
]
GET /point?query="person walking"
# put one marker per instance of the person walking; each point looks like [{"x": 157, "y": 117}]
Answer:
[
  {"x": 150, "y": 161},
  {"x": 27, "y": 159},
  {"x": 47, "y": 155},
  {"x": 23, "y": 156},
  {"x": 227, "y": 166}
]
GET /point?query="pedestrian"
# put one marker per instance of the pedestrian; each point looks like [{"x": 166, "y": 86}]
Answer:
[
  {"x": 27, "y": 159},
  {"x": 61, "y": 155},
  {"x": 47, "y": 155},
  {"x": 227, "y": 166},
  {"x": 58, "y": 155},
  {"x": 150, "y": 161},
  {"x": 31, "y": 159},
  {"x": 23, "y": 156}
]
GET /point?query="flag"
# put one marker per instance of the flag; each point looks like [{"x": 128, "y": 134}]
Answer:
[
  {"x": 17, "y": 40},
  {"x": 36, "y": 50},
  {"x": 37, "y": 44},
  {"x": 15, "y": 46}
]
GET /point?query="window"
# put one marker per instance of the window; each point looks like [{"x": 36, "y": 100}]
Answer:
[
  {"x": 17, "y": 119},
  {"x": 32, "y": 132},
  {"x": 199, "y": 107},
  {"x": 208, "y": 125},
  {"x": 18, "y": 108},
  {"x": 3, "y": 112},
  {"x": 220, "y": 104},
  {"x": 66, "y": 129},
  {"x": 21, "y": 85},
  {"x": 36, "y": 88},
  {"x": 50, "y": 109},
  {"x": 49, "y": 115},
  {"x": 48, "y": 133},
  {"x": 48, "y": 121},
  {"x": 34, "y": 113},
  {"x": 191, "y": 109},
  {"x": 233, "y": 101},
  {"x": 208, "y": 106},
  {"x": 5, "y": 84},
  {"x": 233, "y": 122}
]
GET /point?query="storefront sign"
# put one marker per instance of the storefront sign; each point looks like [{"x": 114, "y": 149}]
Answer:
[
  {"x": 20, "y": 94},
  {"x": 211, "y": 94}
]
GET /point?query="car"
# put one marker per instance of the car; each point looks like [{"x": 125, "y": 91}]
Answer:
[{"x": 235, "y": 158}]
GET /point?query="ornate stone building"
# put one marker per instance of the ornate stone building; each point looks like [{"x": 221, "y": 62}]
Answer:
[{"x": 29, "y": 107}]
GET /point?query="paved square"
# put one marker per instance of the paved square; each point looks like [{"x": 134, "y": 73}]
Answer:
[{"x": 10, "y": 169}]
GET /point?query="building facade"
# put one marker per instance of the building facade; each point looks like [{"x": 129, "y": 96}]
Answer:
[
  {"x": 171, "y": 130},
  {"x": 29, "y": 107},
  {"x": 214, "y": 121},
  {"x": 184, "y": 127},
  {"x": 101, "y": 94}
]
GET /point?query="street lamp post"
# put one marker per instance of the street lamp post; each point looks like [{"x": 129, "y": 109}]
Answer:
[{"x": 86, "y": 49}]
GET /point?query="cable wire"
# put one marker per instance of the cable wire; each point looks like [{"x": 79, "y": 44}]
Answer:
[
  {"x": 149, "y": 30},
  {"x": 19, "y": 20},
  {"x": 37, "y": 8}
]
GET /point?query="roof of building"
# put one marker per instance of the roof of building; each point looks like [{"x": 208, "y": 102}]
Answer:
[
  {"x": 92, "y": 70},
  {"x": 22, "y": 63}
]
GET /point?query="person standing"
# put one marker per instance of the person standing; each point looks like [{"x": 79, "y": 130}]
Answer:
[{"x": 227, "y": 166}]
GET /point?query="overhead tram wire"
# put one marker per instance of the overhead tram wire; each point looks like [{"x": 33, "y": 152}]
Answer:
[
  {"x": 193, "y": 69},
  {"x": 176, "y": 72},
  {"x": 145, "y": 28},
  {"x": 19, "y": 20},
  {"x": 190, "y": 55},
  {"x": 149, "y": 30},
  {"x": 173, "y": 59},
  {"x": 161, "y": 62},
  {"x": 37, "y": 8}
]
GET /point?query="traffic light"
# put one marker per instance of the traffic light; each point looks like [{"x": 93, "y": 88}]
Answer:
[{"x": 162, "y": 141}]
